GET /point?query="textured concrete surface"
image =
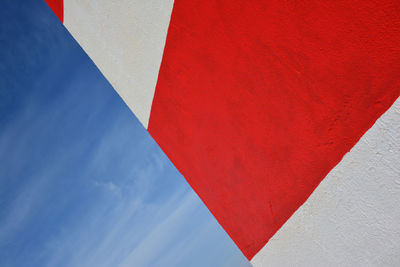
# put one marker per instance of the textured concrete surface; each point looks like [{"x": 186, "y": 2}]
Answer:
[{"x": 353, "y": 217}]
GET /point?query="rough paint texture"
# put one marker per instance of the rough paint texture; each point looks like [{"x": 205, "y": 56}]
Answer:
[
  {"x": 125, "y": 39},
  {"x": 257, "y": 101},
  {"x": 353, "y": 217}
]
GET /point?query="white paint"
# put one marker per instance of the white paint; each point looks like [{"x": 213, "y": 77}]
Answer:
[
  {"x": 125, "y": 39},
  {"x": 353, "y": 217}
]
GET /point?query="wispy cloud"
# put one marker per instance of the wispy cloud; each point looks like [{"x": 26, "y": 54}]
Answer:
[{"x": 82, "y": 183}]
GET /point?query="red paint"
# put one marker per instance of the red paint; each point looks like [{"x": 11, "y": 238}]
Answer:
[
  {"x": 58, "y": 8},
  {"x": 257, "y": 101}
]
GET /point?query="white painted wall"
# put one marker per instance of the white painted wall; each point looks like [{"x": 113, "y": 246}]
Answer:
[
  {"x": 353, "y": 217},
  {"x": 125, "y": 39}
]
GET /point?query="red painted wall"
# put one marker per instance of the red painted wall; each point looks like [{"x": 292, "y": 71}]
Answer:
[{"x": 257, "y": 101}]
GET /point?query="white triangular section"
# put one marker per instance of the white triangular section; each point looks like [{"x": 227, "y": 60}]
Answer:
[
  {"x": 125, "y": 39},
  {"x": 353, "y": 217}
]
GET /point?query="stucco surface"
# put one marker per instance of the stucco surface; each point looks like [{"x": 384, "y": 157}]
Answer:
[
  {"x": 126, "y": 40},
  {"x": 353, "y": 217}
]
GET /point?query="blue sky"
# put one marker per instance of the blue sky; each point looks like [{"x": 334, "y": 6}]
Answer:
[{"x": 81, "y": 181}]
